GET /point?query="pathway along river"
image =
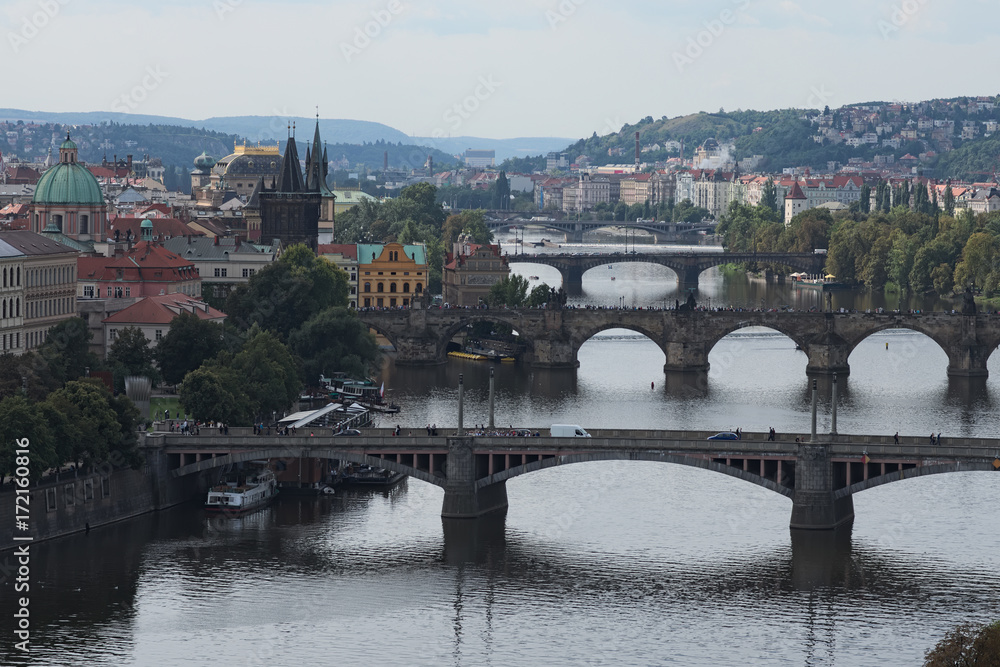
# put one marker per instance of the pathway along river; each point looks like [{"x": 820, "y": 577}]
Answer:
[{"x": 616, "y": 563}]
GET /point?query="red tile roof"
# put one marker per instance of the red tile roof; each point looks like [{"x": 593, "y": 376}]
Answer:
[
  {"x": 163, "y": 309},
  {"x": 348, "y": 250},
  {"x": 163, "y": 228}
]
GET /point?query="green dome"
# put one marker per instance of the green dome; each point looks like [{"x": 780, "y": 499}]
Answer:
[
  {"x": 204, "y": 161},
  {"x": 146, "y": 224},
  {"x": 68, "y": 183},
  {"x": 69, "y": 143}
]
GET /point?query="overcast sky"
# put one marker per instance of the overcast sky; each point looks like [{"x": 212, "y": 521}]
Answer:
[{"x": 490, "y": 69}]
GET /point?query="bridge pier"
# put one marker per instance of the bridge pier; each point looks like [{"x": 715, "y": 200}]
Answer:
[
  {"x": 814, "y": 506},
  {"x": 685, "y": 357},
  {"x": 463, "y": 497},
  {"x": 828, "y": 354},
  {"x": 572, "y": 277},
  {"x": 968, "y": 357}
]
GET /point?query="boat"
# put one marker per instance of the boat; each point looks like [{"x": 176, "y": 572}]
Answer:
[
  {"x": 364, "y": 392},
  {"x": 243, "y": 493},
  {"x": 365, "y": 475},
  {"x": 612, "y": 277},
  {"x": 532, "y": 277},
  {"x": 468, "y": 355}
]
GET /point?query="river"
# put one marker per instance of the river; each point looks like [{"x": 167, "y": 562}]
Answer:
[{"x": 601, "y": 563}]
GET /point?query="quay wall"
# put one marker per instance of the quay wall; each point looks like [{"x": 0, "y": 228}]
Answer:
[{"x": 76, "y": 503}]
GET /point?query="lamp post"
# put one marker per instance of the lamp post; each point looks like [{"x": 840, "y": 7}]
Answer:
[
  {"x": 461, "y": 398},
  {"x": 491, "y": 399}
]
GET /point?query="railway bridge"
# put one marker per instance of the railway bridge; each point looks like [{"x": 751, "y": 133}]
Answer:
[
  {"x": 553, "y": 337},
  {"x": 820, "y": 477}
]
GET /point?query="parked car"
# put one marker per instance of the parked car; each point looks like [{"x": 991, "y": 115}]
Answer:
[{"x": 724, "y": 435}]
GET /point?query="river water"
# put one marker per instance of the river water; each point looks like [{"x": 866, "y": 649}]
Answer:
[{"x": 600, "y": 563}]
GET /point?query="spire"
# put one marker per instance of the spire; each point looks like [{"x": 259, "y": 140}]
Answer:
[
  {"x": 315, "y": 177},
  {"x": 290, "y": 178},
  {"x": 254, "y": 200}
]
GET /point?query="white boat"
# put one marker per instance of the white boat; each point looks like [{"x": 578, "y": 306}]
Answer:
[{"x": 245, "y": 493}]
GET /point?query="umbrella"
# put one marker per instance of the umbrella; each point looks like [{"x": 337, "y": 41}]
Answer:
[{"x": 829, "y": 276}]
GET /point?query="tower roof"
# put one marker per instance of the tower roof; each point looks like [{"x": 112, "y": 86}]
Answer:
[
  {"x": 68, "y": 183},
  {"x": 290, "y": 176},
  {"x": 795, "y": 192}
]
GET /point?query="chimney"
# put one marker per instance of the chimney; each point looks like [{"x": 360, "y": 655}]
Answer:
[
  {"x": 238, "y": 240},
  {"x": 189, "y": 239},
  {"x": 637, "y": 151},
  {"x": 216, "y": 240}
]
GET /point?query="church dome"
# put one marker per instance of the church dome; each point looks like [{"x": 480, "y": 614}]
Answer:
[
  {"x": 146, "y": 224},
  {"x": 68, "y": 183},
  {"x": 204, "y": 161},
  {"x": 69, "y": 144}
]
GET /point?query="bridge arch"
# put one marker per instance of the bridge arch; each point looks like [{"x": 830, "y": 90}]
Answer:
[
  {"x": 912, "y": 473},
  {"x": 705, "y": 464},
  {"x": 753, "y": 320},
  {"x": 583, "y": 336},
  {"x": 472, "y": 316},
  {"x": 915, "y": 325}
]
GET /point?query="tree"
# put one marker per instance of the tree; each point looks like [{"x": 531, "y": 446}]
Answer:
[
  {"x": 131, "y": 354},
  {"x": 977, "y": 261},
  {"x": 335, "y": 340},
  {"x": 510, "y": 292},
  {"x": 189, "y": 341},
  {"x": 22, "y": 419},
  {"x": 90, "y": 429},
  {"x": 967, "y": 645},
  {"x": 268, "y": 373},
  {"x": 501, "y": 193},
  {"x": 949, "y": 200},
  {"x": 769, "y": 196},
  {"x": 471, "y": 222},
  {"x": 214, "y": 393},
  {"x": 283, "y": 295},
  {"x": 539, "y": 296},
  {"x": 865, "y": 199},
  {"x": 66, "y": 350}
]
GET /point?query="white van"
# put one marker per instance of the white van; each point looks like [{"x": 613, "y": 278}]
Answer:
[{"x": 568, "y": 431}]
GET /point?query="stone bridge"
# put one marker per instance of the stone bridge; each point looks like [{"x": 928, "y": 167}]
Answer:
[
  {"x": 573, "y": 230},
  {"x": 552, "y": 338},
  {"x": 820, "y": 478},
  {"x": 687, "y": 265}
]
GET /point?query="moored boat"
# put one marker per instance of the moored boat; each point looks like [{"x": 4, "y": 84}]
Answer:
[{"x": 244, "y": 493}]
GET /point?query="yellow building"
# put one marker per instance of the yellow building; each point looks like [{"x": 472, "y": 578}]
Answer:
[{"x": 390, "y": 275}]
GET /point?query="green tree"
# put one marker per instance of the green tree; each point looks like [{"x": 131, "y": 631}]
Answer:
[
  {"x": 769, "y": 196},
  {"x": 22, "y": 419},
  {"x": 215, "y": 393},
  {"x": 501, "y": 192},
  {"x": 66, "y": 350},
  {"x": 511, "y": 292},
  {"x": 539, "y": 296},
  {"x": 865, "y": 199},
  {"x": 91, "y": 429},
  {"x": 188, "y": 342},
  {"x": 283, "y": 295},
  {"x": 269, "y": 373},
  {"x": 968, "y": 645},
  {"x": 978, "y": 257},
  {"x": 949, "y": 200},
  {"x": 131, "y": 354},
  {"x": 335, "y": 340}
]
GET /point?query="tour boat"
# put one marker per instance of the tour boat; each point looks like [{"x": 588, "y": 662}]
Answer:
[
  {"x": 248, "y": 492},
  {"x": 532, "y": 277}
]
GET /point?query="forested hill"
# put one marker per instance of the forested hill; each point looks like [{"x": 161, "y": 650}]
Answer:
[{"x": 788, "y": 137}]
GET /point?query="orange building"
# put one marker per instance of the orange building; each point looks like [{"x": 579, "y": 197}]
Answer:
[{"x": 390, "y": 275}]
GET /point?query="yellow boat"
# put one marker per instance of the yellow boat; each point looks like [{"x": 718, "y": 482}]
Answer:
[{"x": 468, "y": 355}]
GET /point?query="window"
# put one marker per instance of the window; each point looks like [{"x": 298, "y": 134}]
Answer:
[
  {"x": 113, "y": 334},
  {"x": 128, "y": 291},
  {"x": 368, "y": 287},
  {"x": 419, "y": 288},
  {"x": 218, "y": 272},
  {"x": 223, "y": 273},
  {"x": 69, "y": 494},
  {"x": 392, "y": 287},
  {"x": 380, "y": 302},
  {"x": 246, "y": 273},
  {"x": 50, "y": 500},
  {"x": 380, "y": 287},
  {"x": 105, "y": 487},
  {"x": 109, "y": 292},
  {"x": 159, "y": 335},
  {"x": 88, "y": 291},
  {"x": 406, "y": 288},
  {"x": 118, "y": 292},
  {"x": 392, "y": 302},
  {"x": 88, "y": 490},
  {"x": 368, "y": 302}
]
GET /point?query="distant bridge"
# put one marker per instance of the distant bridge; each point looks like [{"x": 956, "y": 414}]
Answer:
[
  {"x": 573, "y": 230},
  {"x": 553, "y": 338},
  {"x": 820, "y": 478},
  {"x": 687, "y": 265}
]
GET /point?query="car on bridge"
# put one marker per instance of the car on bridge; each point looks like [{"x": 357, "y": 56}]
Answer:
[{"x": 725, "y": 435}]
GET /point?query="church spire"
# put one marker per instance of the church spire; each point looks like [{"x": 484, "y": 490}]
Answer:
[{"x": 290, "y": 178}]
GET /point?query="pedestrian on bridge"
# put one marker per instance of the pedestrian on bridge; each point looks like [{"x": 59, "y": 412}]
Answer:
[{"x": 895, "y": 438}]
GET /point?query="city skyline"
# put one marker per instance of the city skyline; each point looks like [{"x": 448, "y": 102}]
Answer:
[{"x": 564, "y": 68}]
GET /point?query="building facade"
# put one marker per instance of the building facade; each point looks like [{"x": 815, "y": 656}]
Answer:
[
  {"x": 390, "y": 275},
  {"x": 470, "y": 271}
]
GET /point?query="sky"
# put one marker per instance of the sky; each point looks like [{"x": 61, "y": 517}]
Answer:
[{"x": 516, "y": 68}]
